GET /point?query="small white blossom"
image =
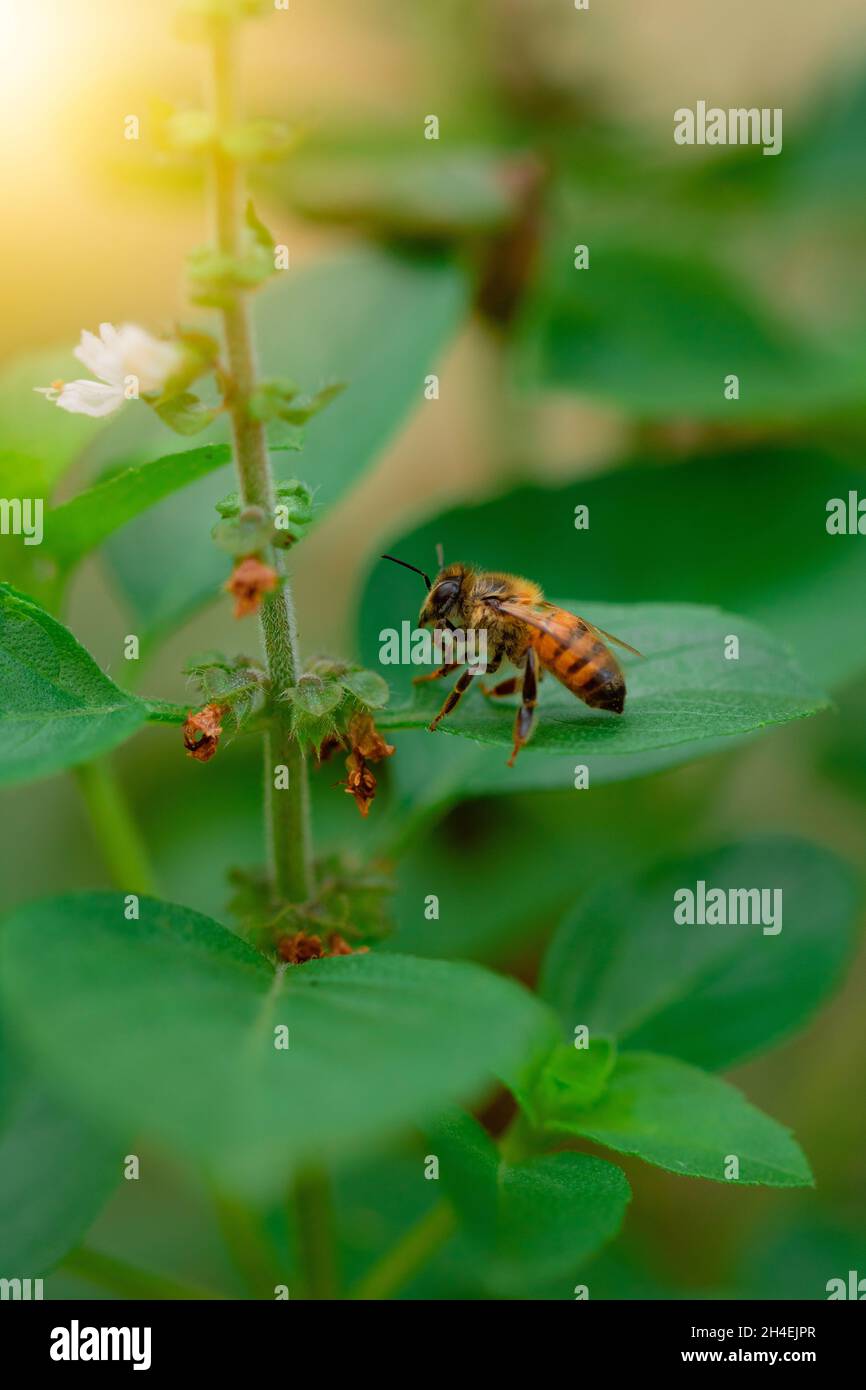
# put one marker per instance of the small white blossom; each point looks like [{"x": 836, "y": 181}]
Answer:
[{"x": 121, "y": 358}]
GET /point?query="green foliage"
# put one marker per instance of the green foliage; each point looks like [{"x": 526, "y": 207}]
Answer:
[
  {"x": 569, "y": 1078},
  {"x": 167, "y": 1024},
  {"x": 245, "y": 530},
  {"x": 327, "y": 696},
  {"x": 682, "y": 1119},
  {"x": 685, "y": 692},
  {"x": 686, "y": 527},
  {"x": 376, "y": 322},
  {"x": 186, "y": 413},
  {"x": 437, "y": 195},
  {"x": 56, "y": 707},
  {"x": 658, "y": 331},
  {"x": 83, "y": 523},
  {"x": 712, "y": 995},
  {"x": 238, "y": 686},
  {"x": 55, "y": 1171},
  {"x": 280, "y": 400},
  {"x": 38, "y": 444},
  {"x": 532, "y": 1221}
]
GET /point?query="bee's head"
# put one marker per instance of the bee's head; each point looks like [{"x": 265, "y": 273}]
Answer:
[
  {"x": 444, "y": 603},
  {"x": 445, "y": 594}
]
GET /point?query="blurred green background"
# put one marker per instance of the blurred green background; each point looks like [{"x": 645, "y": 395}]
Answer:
[{"x": 556, "y": 387}]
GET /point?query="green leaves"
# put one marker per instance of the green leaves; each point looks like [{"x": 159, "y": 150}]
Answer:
[
  {"x": 679, "y": 1118},
  {"x": 569, "y": 1078},
  {"x": 531, "y": 1222},
  {"x": 167, "y": 1024},
  {"x": 55, "y": 1172},
  {"x": 327, "y": 699},
  {"x": 56, "y": 706},
  {"x": 377, "y": 322},
  {"x": 658, "y": 327},
  {"x": 622, "y": 964},
  {"x": 686, "y": 527},
  {"x": 245, "y": 530},
  {"x": 79, "y": 526},
  {"x": 712, "y": 995},
  {"x": 684, "y": 694}
]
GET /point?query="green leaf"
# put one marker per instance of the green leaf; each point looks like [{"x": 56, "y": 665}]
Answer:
[
  {"x": 535, "y": 1221},
  {"x": 690, "y": 524},
  {"x": 55, "y": 1172},
  {"x": 56, "y": 707},
  {"x": 684, "y": 692},
  {"x": 712, "y": 995},
  {"x": 568, "y": 1079},
  {"x": 679, "y": 1118},
  {"x": 658, "y": 329},
  {"x": 377, "y": 322},
  {"x": 368, "y": 687},
  {"x": 315, "y": 697},
  {"x": 186, "y": 413},
  {"x": 166, "y": 1025},
  {"x": 35, "y": 429},
  {"x": 80, "y": 525}
]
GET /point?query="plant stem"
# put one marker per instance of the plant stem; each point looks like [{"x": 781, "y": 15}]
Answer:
[
  {"x": 248, "y": 1246},
  {"x": 314, "y": 1230},
  {"x": 126, "y": 1280},
  {"x": 410, "y": 1254},
  {"x": 417, "y": 1245},
  {"x": 115, "y": 829},
  {"x": 287, "y": 809}
]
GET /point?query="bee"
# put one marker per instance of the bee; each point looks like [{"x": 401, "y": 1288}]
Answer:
[{"x": 526, "y": 630}]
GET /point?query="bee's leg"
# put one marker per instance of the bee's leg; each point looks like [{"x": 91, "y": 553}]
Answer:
[
  {"x": 460, "y": 689},
  {"x": 506, "y": 687},
  {"x": 436, "y": 675},
  {"x": 525, "y": 718}
]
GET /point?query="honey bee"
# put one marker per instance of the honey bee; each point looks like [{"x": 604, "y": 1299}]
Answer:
[{"x": 526, "y": 630}]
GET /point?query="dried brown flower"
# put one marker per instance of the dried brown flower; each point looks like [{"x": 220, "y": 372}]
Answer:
[
  {"x": 367, "y": 745},
  {"x": 366, "y": 740},
  {"x": 300, "y": 947},
  {"x": 360, "y": 782},
  {"x": 327, "y": 748},
  {"x": 339, "y": 946},
  {"x": 248, "y": 582},
  {"x": 201, "y": 732}
]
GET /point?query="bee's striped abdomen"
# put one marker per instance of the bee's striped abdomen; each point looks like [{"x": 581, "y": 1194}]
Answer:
[{"x": 583, "y": 664}]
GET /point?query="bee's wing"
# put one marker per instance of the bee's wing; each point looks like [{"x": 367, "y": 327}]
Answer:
[
  {"x": 610, "y": 637},
  {"x": 558, "y": 622}
]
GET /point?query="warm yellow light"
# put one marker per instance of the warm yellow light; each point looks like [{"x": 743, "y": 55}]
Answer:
[{"x": 36, "y": 49}]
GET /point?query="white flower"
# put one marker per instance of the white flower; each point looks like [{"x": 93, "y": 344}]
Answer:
[{"x": 128, "y": 361}]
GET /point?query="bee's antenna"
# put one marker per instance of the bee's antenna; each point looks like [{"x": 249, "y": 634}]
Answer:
[
  {"x": 406, "y": 565},
  {"x": 440, "y": 555}
]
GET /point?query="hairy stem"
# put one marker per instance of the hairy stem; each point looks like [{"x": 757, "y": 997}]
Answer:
[
  {"x": 287, "y": 808},
  {"x": 115, "y": 829}
]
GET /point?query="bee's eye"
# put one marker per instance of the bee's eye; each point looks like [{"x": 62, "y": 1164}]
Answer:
[{"x": 444, "y": 594}]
